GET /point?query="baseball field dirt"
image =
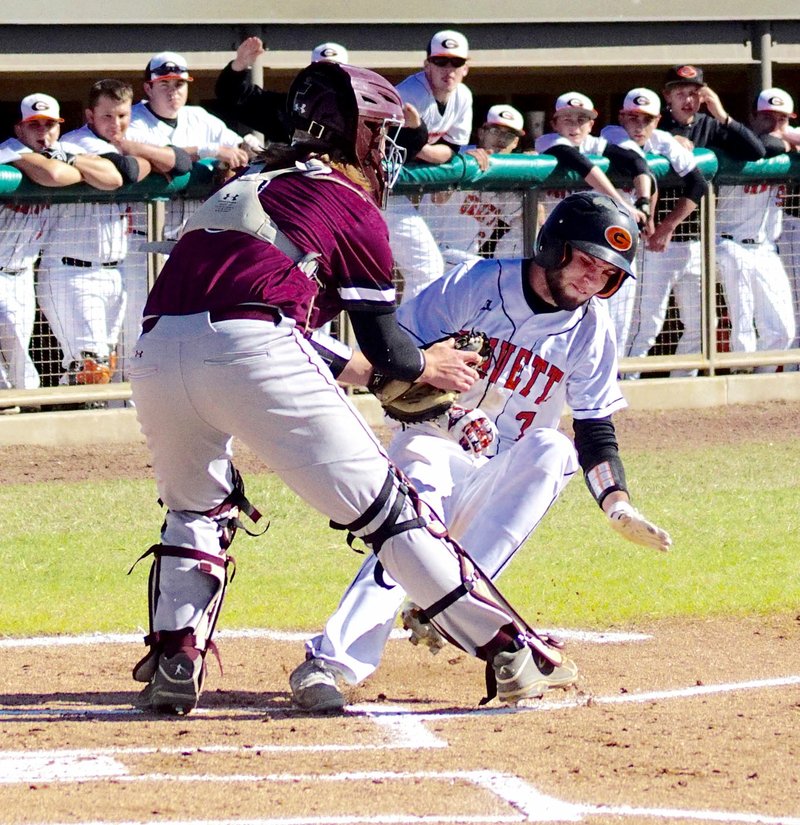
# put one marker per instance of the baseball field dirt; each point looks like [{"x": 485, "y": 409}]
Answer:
[{"x": 672, "y": 721}]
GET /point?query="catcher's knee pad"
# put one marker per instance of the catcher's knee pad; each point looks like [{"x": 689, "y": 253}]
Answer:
[
  {"x": 394, "y": 510},
  {"x": 206, "y": 564}
]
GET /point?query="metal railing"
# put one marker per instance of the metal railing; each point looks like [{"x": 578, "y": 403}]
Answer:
[{"x": 518, "y": 187}]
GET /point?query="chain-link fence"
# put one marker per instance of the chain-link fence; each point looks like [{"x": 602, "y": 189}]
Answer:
[{"x": 723, "y": 296}]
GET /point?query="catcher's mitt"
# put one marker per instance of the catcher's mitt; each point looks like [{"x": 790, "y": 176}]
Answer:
[{"x": 412, "y": 402}]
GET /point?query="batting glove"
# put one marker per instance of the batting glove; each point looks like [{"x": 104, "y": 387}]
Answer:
[
  {"x": 472, "y": 429},
  {"x": 633, "y": 526}
]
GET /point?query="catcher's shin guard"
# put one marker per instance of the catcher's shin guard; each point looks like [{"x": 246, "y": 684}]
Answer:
[{"x": 159, "y": 642}]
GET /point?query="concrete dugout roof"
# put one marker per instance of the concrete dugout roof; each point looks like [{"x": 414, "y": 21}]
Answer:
[{"x": 367, "y": 12}]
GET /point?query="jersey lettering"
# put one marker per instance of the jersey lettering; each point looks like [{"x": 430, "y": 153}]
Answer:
[{"x": 526, "y": 417}]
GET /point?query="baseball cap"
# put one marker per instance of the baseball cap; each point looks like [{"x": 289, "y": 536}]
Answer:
[
  {"x": 503, "y": 115},
  {"x": 167, "y": 65},
  {"x": 775, "y": 100},
  {"x": 448, "y": 43},
  {"x": 577, "y": 102},
  {"x": 684, "y": 74},
  {"x": 332, "y": 52},
  {"x": 39, "y": 106},
  {"x": 642, "y": 101}
]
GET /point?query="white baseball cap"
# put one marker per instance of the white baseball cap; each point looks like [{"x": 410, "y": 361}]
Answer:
[
  {"x": 330, "y": 52},
  {"x": 39, "y": 106},
  {"x": 576, "y": 102},
  {"x": 642, "y": 101},
  {"x": 776, "y": 100},
  {"x": 448, "y": 43},
  {"x": 167, "y": 65},
  {"x": 504, "y": 115}
]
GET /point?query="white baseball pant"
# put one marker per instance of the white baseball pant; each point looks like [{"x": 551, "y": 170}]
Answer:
[
  {"x": 197, "y": 384},
  {"x": 758, "y": 296},
  {"x": 491, "y": 506},
  {"x": 17, "y": 316},
  {"x": 84, "y": 307},
  {"x": 415, "y": 251},
  {"x": 678, "y": 269}
]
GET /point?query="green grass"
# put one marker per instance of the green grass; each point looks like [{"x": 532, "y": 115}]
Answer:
[{"x": 733, "y": 514}]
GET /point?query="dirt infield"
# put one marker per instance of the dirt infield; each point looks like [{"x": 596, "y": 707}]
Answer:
[{"x": 671, "y": 722}]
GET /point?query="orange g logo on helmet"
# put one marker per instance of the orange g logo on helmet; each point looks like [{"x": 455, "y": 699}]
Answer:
[{"x": 619, "y": 238}]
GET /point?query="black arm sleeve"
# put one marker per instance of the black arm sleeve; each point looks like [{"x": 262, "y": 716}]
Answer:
[
  {"x": 694, "y": 186},
  {"x": 126, "y": 165},
  {"x": 413, "y": 139},
  {"x": 598, "y": 454},
  {"x": 386, "y": 346},
  {"x": 257, "y": 108},
  {"x": 570, "y": 158},
  {"x": 739, "y": 141},
  {"x": 183, "y": 161},
  {"x": 626, "y": 161},
  {"x": 773, "y": 145}
]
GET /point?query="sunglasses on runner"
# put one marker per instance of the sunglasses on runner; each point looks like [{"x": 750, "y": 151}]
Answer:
[{"x": 441, "y": 62}]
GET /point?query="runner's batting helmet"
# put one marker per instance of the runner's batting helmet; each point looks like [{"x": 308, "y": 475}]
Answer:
[
  {"x": 595, "y": 224},
  {"x": 354, "y": 110}
]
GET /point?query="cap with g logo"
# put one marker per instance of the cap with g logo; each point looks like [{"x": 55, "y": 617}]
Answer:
[
  {"x": 39, "y": 106},
  {"x": 576, "y": 102},
  {"x": 331, "y": 52},
  {"x": 776, "y": 100},
  {"x": 504, "y": 115},
  {"x": 448, "y": 43},
  {"x": 679, "y": 75},
  {"x": 642, "y": 101}
]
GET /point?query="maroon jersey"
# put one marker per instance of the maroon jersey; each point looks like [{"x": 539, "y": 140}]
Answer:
[{"x": 215, "y": 270}]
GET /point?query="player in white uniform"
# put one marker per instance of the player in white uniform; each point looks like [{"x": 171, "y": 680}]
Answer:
[
  {"x": 165, "y": 119},
  {"x": 444, "y": 104},
  {"x": 749, "y": 224},
  {"x": 779, "y": 137},
  {"x": 80, "y": 285},
  {"x": 552, "y": 345},
  {"x": 469, "y": 223},
  {"x": 665, "y": 267},
  {"x": 572, "y": 141}
]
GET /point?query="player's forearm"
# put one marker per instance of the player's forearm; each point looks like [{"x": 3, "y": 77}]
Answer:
[
  {"x": 46, "y": 171},
  {"x": 98, "y": 172},
  {"x": 435, "y": 153},
  {"x": 160, "y": 158}
]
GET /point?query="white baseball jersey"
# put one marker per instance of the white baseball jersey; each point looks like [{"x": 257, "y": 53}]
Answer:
[
  {"x": 476, "y": 223},
  {"x": 454, "y": 124},
  {"x": 681, "y": 159},
  {"x": 194, "y": 126},
  {"x": 753, "y": 211},
  {"x": 22, "y": 225},
  {"x": 540, "y": 361},
  {"x": 96, "y": 232}
]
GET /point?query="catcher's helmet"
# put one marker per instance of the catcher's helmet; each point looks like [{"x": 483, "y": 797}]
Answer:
[
  {"x": 355, "y": 110},
  {"x": 595, "y": 224}
]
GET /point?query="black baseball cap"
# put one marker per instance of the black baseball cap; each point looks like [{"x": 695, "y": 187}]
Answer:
[{"x": 684, "y": 74}]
